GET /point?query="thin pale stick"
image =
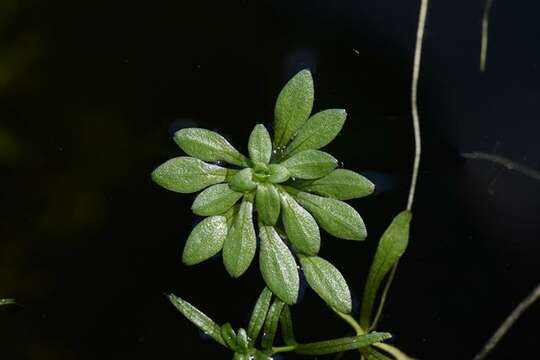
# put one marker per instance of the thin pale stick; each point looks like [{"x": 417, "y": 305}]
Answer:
[
  {"x": 507, "y": 324},
  {"x": 414, "y": 98},
  {"x": 485, "y": 35},
  {"x": 507, "y": 163}
]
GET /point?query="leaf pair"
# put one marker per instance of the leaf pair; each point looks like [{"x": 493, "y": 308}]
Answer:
[{"x": 292, "y": 118}]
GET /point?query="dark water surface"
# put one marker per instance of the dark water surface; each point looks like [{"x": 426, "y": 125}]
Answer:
[{"x": 91, "y": 92}]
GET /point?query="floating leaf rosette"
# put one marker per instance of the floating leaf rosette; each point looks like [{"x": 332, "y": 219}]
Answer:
[{"x": 283, "y": 191}]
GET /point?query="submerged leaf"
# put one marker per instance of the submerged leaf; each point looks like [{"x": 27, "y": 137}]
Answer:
[
  {"x": 301, "y": 228},
  {"x": 336, "y": 217},
  {"x": 260, "y": 145},
  {"x": 286, "y": 324},
  {"x": 391, "y": 247},
  {"x": 228, "y": 334},
  {"x": 343, "y": 344},
  {"x": 341, "y": 184},
  {"x": 271, "y": 324},
  {"x": 278, "y": 173},
  {"x": 278, "y": 266},
  {"x": 203, "y": 322},
  {"x": 259, "y": 314},
  {"x": 293, "y": 107},
  {"x": 208, "y": 146},
  {"x": 243, "y": 180},
  {"x": 317, "y": 132},
  {"x": 310, "y": 164},
  {"x": 215, "y": 200},
  {"x": 186, "y": 174},
  {"x": 268, "y": 203},
  {"x": 240, "y": 245},
  {"x": 206, "y": 240},
  {"x": 327, "y": 282}
]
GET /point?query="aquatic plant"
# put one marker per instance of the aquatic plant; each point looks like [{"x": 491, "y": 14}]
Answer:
[{"x": 291, "y": 188}]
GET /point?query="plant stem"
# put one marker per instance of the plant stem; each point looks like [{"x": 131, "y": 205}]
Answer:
[
  {"x": 280, "y": 349},
  {"x": 352, "y": 322},
  {"x": 507, "y": 324},
  {"x": 414, "y": 98},
  {"x": 384, "y": 295},
  {"x": 485, "y": 35},
  {"x": 507, "y": 163}
]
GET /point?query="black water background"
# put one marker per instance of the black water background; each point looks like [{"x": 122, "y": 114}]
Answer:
[{"x": 89, "y": 245}]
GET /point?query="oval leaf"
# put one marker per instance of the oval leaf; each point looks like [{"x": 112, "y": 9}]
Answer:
[
  {"x": 243, "y": 181},
  {"x": 327, "y": 282},
  {"x": 336, "y": 217},
  {"x": 391, "y": 247},
  {"x": 260, "y": 145},
  {"x": 203, "y": 322},
  {"x": 267, "y": 203},
  {"x": 286, "y": 324},
  {"x": 317, "y": 132},
  {"x": 271, "y": 324},
  {"x": 208, "y": 146},
  {"x": 240, "y": 245},
  {"x": 301, "y": 228},
  {"x": 258, "y": 315},
  {"x": 293, "y": 107},
  {"x": 278, "y": 173},
  {"x": 242, "y": 340},
  {"x": 215, "y": 200},
  {"x": 340, "y": 345},
  {"x": 310, "y": 164},
  {"x": 228, "y": 334},
  {"x": 341, "y": 184},
  {"x": 206, "y": 240},
  {"x": 278, "y": 266},
  {"x": 186, "y": 174}
]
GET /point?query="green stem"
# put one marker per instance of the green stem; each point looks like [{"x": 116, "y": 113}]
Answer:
[
  {"x": 384, "y": 296},
  {"x": 280, "y": 349},
  {"x": 352, "y": 322}
]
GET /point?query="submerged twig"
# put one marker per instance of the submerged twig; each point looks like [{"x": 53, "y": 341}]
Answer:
[
  {"x": 7, "y": 301},
  {"x": 507, "y": 163},
  {"x": 417, "y": 139},
  {"x": 507, "y": 324},
  {"x": 414, "y": 98},
  {"x": 485, "y": 34}
]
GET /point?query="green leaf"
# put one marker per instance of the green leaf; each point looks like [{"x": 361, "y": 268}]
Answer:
[
  {"x": 327, "y": 282},
  {"x": 208, "y": 146},
  {"x": 242, "y": 340},
  {"x": 310, "y": 164},
  {"x": 317, "y": 132},
  {"x": 228, "y": 334},
  {"x": 286, "y": 324},
  {"x": 215, "y": 200},
  {"x": 267, "y": 203},
  {"x": 206, "y": 240},
  {"x": 278, "y": 266},
  {"x": 301, "y": 228},
  {"x": 271, "y": 324},
  {"x": 340, "y": 184},
  {"x": 260, "y": 145},
  {"x": 259, "y": 314},
  {"x": 371, "y": 354},
  {"x": 243, "y": 181},
  {"x": 241, "y": 356},
  {"x": 391, "y": 247},
  {"x": 186, "y": 175},
  {"x": 336, "y": 217},
  {"x": 203, "y": 322},
  {"x": 343, "y": 344},
  {"x": 278, "y": 173},
  {"x": 293, "y": 107},
  {"x": 240, "y": 245},
  {"x": 7, "y": 302}
]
